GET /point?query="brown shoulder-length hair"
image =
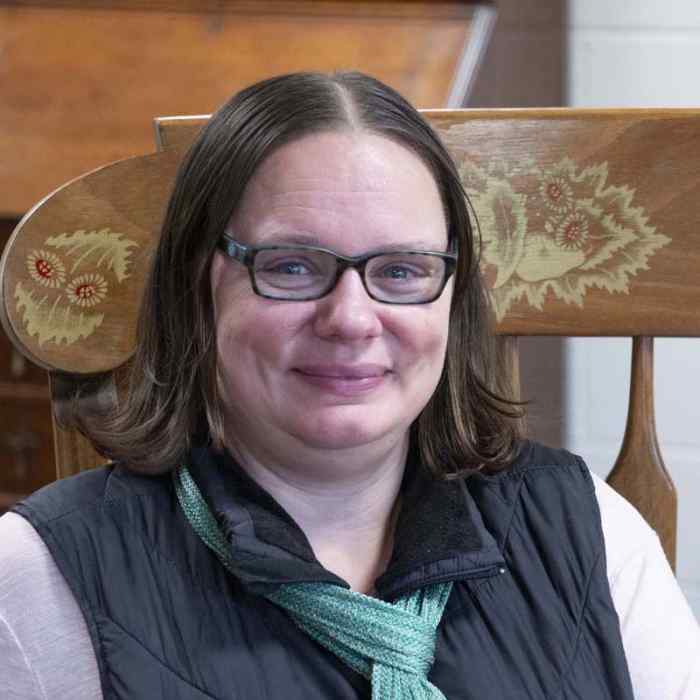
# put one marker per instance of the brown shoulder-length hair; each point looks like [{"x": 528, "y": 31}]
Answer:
[{"x": 171, "y": 399}]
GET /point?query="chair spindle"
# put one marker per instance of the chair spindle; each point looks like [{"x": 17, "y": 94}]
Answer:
[
  {"x": 71, "y": 394},
  {"x": 639, "y": 473}
]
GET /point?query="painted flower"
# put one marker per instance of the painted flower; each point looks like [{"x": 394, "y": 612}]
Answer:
[
  {"x": 46, "y": 268},
  {"x": 87, "y": 290},
  {"x": 557, "y": 193},
  {"x": 572, "y": 233}
]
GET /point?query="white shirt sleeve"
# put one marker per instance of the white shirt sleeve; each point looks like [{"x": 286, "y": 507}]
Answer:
[
  {"x": 45, "y": 647},
  {"x": 660, "y": 634}
]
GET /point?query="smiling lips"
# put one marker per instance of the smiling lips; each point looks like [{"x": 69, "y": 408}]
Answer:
[{"x": 346, "y": 380}]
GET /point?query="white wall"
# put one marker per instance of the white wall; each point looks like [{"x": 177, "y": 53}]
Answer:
[{"x": 638, "y": 53}]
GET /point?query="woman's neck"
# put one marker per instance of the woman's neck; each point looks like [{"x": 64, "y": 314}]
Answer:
[{"x": 348, "y": 511}]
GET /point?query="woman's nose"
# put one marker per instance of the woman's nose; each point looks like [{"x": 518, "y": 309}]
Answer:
[{"x": 347, "y": 312}]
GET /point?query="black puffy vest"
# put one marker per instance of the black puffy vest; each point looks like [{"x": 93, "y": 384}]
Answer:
[{"x": 530, "y": 615}]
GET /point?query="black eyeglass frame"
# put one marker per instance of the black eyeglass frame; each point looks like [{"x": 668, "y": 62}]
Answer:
[{"x": 245, "y": 254}]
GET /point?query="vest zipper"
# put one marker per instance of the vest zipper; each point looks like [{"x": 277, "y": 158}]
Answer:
[{"x": 482, "y": 572}]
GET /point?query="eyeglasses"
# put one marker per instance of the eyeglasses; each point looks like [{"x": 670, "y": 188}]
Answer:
[{"x": 302, "y": 273}]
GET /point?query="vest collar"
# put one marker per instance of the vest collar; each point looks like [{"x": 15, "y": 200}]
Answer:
[{"x": 440, "y": 535}]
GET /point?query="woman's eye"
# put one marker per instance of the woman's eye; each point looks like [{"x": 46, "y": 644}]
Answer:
[
  {"x": 288, "y": 267},
  {"x": 401, "y": 272}
]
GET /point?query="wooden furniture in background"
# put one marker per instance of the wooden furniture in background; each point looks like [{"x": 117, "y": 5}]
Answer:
[
  {"x": 26, "y": 442},
  {"x": 82, "y": 80},
  {"x": 588, "y": 220}
]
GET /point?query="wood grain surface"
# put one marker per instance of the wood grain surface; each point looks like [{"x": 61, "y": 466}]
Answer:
[
  {"x": 81, "y": 82},
  {"x": 100, "y": 230},
  {"x": 629, "y": 178},
  {"x": 339, "y": 8}
]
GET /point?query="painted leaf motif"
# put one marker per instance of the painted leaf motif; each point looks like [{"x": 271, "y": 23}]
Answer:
[
  {"x": 555, "y": 231},
  {"x": 94, "y": 249},
  {"x": 544, "y": 259},
  {"x": 500, "y": 213},
  {"x": 57, "y": 320}
]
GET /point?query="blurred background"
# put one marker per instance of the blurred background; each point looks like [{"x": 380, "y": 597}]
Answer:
[{"x": 80, "y": 82}]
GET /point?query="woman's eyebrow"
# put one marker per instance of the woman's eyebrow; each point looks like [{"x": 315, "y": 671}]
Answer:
[
  {"x": 411, "y": 245},
  {"x": 292, "y": 239},
  {"x": 313, "y": 240}
]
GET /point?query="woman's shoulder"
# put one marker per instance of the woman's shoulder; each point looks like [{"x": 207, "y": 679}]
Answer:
[
  {"x": 66, "y": 495},
  {"x": 542, "y": 474},
  {"x": 87, "y": 490},
  {"x": 549, "y": 470}
]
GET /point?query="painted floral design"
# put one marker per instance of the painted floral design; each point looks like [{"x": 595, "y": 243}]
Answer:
[
  {"x": 69, "y": 283},
  {"x": 556, "y": 193},
  {"x": 572, "y": 232},
  {"x": 561, "y": 229},
  {"x": 46, "y": 268},
  {"x": 87, "y": 290},
  {"x": 53, "y": 321}
]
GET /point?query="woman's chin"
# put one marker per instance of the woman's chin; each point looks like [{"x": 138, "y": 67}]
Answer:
[{"x": 334, "y": 432}]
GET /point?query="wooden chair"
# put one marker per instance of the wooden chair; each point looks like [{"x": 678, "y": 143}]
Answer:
[{"x": 589, "y": 227}]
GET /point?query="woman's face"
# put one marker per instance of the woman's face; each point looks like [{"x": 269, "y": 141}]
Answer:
[{"x": 343, "y": 371}]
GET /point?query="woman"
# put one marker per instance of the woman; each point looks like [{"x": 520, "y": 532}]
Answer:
[{"x": 319, "y": 490}]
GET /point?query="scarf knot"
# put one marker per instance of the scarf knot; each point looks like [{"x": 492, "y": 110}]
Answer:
[{"x": 392, "y": 644}]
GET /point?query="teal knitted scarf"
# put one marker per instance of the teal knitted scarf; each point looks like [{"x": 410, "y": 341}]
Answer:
[{"x": 391, "y": 644}]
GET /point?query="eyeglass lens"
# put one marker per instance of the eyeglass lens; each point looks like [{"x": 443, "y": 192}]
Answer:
[{"x": 305, "y": 274}]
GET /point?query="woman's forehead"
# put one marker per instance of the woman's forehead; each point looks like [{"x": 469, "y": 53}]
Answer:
[
  {"x": 342, "y": 156},
  {"x": 332, "y": 180}
]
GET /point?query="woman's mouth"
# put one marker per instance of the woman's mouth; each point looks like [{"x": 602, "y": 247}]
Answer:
[{"x": 345, "y": 380}]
